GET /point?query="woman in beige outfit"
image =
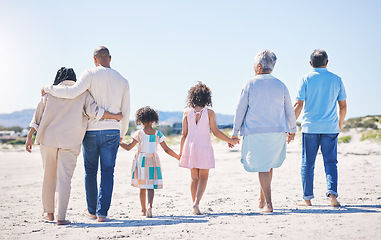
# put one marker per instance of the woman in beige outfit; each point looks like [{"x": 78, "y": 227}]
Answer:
[{"x": 61, "y": 125}]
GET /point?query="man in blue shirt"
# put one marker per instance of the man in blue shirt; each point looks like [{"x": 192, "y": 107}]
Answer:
[{"x": 319, "y": 92}]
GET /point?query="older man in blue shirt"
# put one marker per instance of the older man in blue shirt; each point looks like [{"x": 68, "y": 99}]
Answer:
[{"x": 319, "y": 92}]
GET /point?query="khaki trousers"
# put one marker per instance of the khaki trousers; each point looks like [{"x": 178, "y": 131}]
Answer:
[{"x": 59, "y": 165}]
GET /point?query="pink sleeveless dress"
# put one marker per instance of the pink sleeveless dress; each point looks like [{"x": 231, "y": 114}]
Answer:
[{"x": 198, "y": 150}]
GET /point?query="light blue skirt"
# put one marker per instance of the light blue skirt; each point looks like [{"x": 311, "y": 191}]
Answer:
[{"x": 263, "y": 151}]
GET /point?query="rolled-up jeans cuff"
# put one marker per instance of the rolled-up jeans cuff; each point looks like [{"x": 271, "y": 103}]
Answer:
[
  {"x": 103, "y": 216},
  {"x": 331, "y": 192},
  {"x": 308, "y": 197}
]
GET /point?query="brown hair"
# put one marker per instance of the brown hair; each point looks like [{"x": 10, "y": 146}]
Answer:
[
  {"x": 199, "y": 95},
  {"x": 146, "y": 115}
]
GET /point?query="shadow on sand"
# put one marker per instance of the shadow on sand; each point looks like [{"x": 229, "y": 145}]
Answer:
[
  {"x": 172, "y": 220},
  {"x": 155, "y": 221}
]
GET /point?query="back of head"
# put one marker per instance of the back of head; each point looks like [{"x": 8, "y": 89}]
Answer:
[
  {"x": 146, "y": 115},
  {"x": 199, "y": 95},
  {"x": 319, "y": 58},
  {"x": 267, "y": 59},
  {"x": 64, "y": 74},
  {"x": 101, "y": 52}
]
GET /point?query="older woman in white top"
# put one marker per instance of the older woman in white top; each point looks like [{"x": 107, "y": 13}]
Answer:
[{"x": 266, "y": 120}]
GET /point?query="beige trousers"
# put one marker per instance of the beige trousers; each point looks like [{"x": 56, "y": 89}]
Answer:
[{"x": 59, "y": 165}]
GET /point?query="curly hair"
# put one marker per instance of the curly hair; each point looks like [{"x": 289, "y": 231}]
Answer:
[
  {"x": 199, "y": 95},
  {"x": 146, "y": 115}
]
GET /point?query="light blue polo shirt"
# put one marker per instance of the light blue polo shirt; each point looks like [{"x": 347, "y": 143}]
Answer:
[{"x": 320, "y": 90}]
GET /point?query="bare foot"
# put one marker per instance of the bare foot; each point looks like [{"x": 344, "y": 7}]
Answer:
[
  {"x": 334, "y": 202},
  {"x": 149, "y": 213},
  {"x": 305, "y": 203},
  {"x": 196, "y": 210},
  {"x": 144, "y": 212},
  {"x": 102, "y": 219},
  {"x": 89, "y": 214},
  {"x": 63, "y": 222},
  {"x": 48, "y": 216},
  {"x": 268, "y": 208},
  {"x": 261, "y": 203}
]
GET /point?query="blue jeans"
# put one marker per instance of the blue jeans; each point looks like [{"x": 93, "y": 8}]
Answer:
[
  {"x": 100, "y": 146},
  {"x": 328, "y": 144}
]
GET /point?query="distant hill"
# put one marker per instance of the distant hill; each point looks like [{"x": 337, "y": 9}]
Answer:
[
  {"x": 17, "y": 119},
  {"x": 23, "y": 118}
]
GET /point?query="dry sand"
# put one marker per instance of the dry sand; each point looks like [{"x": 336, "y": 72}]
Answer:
[{"x": 229, "y": 203}]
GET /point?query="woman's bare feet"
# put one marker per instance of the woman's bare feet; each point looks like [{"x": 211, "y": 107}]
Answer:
[
  {"x": 149, "y": 213},
  {"x": 63, "y": 222},
  {"x": 48, "y": 216},
  {"x": 196, "y": 210},
  {"x": 334, "y": 202},
  {"x": 144, "y": 211},
  {"x": 305, "y": 203},
  {"x": 268, "y": 208},
  {"x": 261, "y": 203}
]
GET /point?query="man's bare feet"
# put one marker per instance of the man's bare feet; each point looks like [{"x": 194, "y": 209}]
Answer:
[
  {"x": 63, "y": 222},
  {"x": 334, "y": 202},
  {"x": 149, "y": 213},
  {"x": 90, "y": 215},
  {"x": 196, "y": 210},
  {"x": 305, "y": 203},
  {"x": 48, "y": 216},
  {"x": 268, "y": 208},
  {"x": 102, "y": 219}
]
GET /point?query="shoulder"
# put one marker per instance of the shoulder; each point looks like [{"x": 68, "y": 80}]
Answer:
[
  {"x": 136, "y": 134},
  {"x": 185, "y": 114},
  {"x": 211, "y": 113},
  {"x": 333, "y": 75},
  {"x": 160, "y": 134}
]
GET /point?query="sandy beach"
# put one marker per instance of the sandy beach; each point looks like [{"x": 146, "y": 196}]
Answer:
[{"x": 229, "y": 203}]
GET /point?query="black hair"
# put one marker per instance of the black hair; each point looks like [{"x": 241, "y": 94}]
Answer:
[
  {"x": 64, "y": 74},
  {"x": 199, "y": 95},
  {"x": 146, "y": 115},
  {"x": 319, "y": 58}
]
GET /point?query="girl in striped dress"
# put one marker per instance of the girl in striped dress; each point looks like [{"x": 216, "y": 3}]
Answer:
[{"x": 146, "y": 168}]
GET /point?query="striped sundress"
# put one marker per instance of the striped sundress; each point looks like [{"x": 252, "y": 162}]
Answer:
[{"x": 146, "y": 168}]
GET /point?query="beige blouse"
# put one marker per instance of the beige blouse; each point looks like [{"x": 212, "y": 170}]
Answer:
[{"x": 61, "y": 122}]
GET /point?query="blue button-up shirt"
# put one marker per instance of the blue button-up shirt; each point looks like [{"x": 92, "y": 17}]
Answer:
[{"x": 264, "y": 107}]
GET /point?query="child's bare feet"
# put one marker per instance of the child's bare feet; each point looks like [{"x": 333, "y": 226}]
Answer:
[
  {"x": 149, "y": 213},
  {"x": 268, "y": 208},
  {"x": 334, "y": 202},
  {"x": 63, "y": 222},
  {"x": 196, "y": 210},
  {"x": 48, "y": 216},
  {"x": 305, "y": 203}
]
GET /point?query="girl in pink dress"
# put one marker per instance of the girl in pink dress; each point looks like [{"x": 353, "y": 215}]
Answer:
[{"x": 196, "y": 147}]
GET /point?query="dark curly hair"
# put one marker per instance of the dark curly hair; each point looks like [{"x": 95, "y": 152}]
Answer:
[
  {"x": 146, "y": 115},
  {"x": 199, "y": 95}
]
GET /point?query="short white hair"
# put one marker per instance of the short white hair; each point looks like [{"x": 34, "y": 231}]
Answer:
[{"x": 267, "y": 59}]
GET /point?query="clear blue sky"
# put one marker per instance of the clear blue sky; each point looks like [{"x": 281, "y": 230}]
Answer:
[{"x": 164, "y": 47}]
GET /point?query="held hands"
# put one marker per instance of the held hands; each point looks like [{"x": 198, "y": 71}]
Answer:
[
  {"x": 235, "y": 140},
  {"x": 290, "y": 137}
]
